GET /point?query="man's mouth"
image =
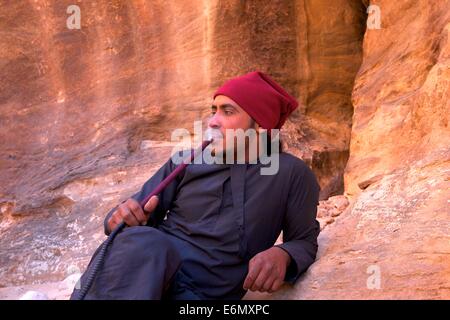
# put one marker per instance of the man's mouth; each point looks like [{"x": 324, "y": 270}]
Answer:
[{"x": 213, "y": 134}]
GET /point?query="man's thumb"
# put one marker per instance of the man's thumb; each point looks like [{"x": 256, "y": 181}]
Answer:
[{"x": 151, "y": 204}]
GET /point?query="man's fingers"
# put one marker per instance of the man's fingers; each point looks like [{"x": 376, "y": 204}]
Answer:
[
  {"x": 253, "y": 271},
  {"x": 276, "y": 285},
  {"x": 267, "y": 286},
  {"x": 132, "y": 214},
  {"x": 151, "y": 204},
  {"x": 137, "y": 211},
  {"x": 116, "y": 221},
  {"x": 112, "y": 223},
  {"x": 267, "y": 271},
  {"x": 128, "y": 217},
  {"x": 263, "y": 276},
  {"x": 248, "y": 282}
]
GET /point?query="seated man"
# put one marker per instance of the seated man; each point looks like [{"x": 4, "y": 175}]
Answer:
[{"x": 210, "y": 234}]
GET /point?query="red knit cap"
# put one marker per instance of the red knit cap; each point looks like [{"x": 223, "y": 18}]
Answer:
[{"x": 261, "y": 97}]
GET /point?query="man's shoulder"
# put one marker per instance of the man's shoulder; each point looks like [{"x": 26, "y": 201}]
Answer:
[
  {"x": 292, "y": 163},
  {"x": 298, "y": 170}
]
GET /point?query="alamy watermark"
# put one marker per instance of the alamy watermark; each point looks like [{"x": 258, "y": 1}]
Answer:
[
  {"x": 74, "y": 20},
  {"x": 236, "y": 152},
  {"x": 73, "y": 277},
  {"x": 374, "y": 17},
  {"x": 374, "y": 280}
]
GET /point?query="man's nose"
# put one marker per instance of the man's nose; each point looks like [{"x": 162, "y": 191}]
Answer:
[{"x": 214, "y": 121}]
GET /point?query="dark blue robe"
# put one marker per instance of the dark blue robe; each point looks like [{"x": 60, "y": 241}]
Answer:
[{"x": 217, "y": 217}]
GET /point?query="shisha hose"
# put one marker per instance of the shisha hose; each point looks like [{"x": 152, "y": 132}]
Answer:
[{"x": 163, "y": 184}]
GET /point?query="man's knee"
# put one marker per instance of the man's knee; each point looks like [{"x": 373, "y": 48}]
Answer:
[
  {"x": 140, "y": 242},
  {"x": 139, "y": 264}
]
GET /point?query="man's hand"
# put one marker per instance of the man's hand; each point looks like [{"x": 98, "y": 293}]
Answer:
[
  {"x": 266, "y": 270},
  {"x": 131, "y": 213}
]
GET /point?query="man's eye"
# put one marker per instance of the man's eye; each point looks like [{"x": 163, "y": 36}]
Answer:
[{"x": 228, "y": 112}]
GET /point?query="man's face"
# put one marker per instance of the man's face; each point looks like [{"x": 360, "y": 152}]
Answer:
[{"x": 227, "y": 114}]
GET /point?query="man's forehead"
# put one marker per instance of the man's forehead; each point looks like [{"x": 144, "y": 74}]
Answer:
[
  {"x": 223, "y": 105},
  {"x": 223, "y": 101}
]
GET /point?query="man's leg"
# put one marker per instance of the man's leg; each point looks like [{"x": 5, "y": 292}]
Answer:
[
  {"x": 180, "y": 291},
  {"x": 139, "y": 264}
]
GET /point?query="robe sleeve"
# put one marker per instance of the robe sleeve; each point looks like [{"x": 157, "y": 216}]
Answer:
[
  {"x": 300, "y": 227},
  {"x": 166, "y": 197}
]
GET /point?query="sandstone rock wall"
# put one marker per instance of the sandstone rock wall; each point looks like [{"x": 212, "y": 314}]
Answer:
[
  {"x": 87, "y": 116},
  {"x": 393, "y": 241}
]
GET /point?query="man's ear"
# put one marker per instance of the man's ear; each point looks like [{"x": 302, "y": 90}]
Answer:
[
  {"x": 256, "y": 126},
  {"x": 260, "y": 129}
]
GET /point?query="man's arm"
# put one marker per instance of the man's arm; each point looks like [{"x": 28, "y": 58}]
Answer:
[
  {"x": 285, "y": 262},
  {"x": 300, "y": 227},
  {"x": 165, "y": 197}
]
